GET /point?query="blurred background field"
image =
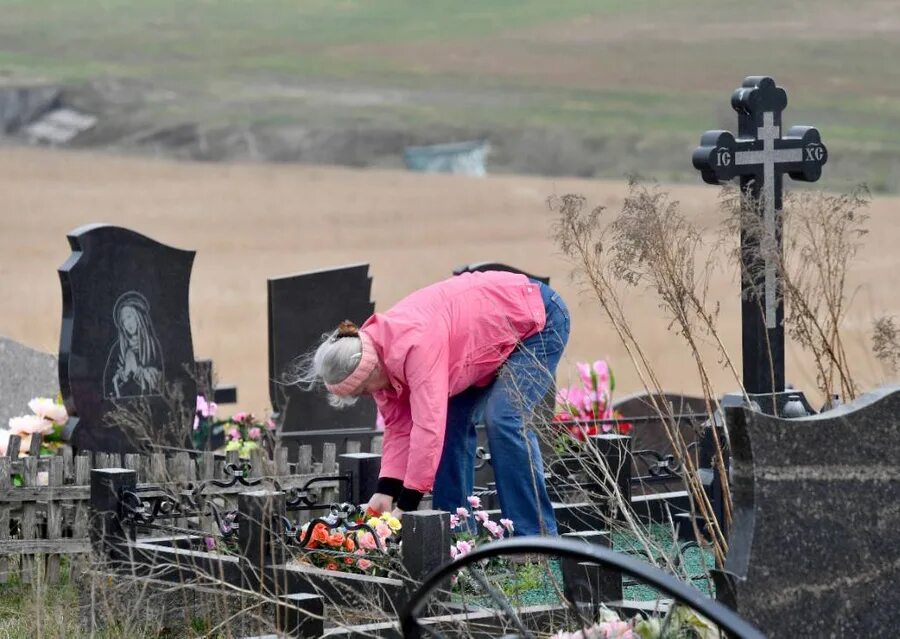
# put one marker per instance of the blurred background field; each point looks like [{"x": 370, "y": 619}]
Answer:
[{"x": 586, "y": 88}]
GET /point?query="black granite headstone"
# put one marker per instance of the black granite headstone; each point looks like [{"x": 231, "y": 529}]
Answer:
[
  {"x": 301, "y": 309},
  {"x": 813, "y": 550},
  {"x": 761, "y": 156},
  {"x": 126, "y": 357}
]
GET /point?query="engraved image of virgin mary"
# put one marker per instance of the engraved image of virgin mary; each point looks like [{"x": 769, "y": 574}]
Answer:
[{"x": 134, "y": 366}]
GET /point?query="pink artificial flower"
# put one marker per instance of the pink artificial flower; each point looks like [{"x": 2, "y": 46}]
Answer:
[
  {"x": 210, "y": 543},
  {"x": 270, "y": 424},
  {"x": 494, "y": 528},
  {"x": 379, "y": 421},
  {"x": 364, "y": 564},
  {"x": 206, "y": 408},
  {"x": 49, "y": 409},
  {"x": 454, "y": 521},
  {"x": 239, "y": 417},
  {"x": 30, "y": 425},
  {"x": 584, "y": 371},
  {"x": 462, "y": 512},
  {"x": 562, "y": 397},
  {"x": 482, "y": 516},
  {"x": 235, "y": 434},
  {"x": 474, "y": 502},
  {"x": 601, "y": 371},
  {"x": 616, "y": 630},
  {"x": 360, "y": 552},
  {"x": 464, "y": 547},
  {"x": 573, "y": 400},
  {"x": 453, "y": 552},
  {"x": 254, "y": 433},
  {"x": 507, "y": 523},
  {"x": 384, "y": 531},
  {"x": 595, "y": 376},
  {"x": 4, "y": 441},
  {"x": 367, "y": 541}
]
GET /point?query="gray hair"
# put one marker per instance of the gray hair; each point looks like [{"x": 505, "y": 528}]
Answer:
[{"x": 331, "y": 362}]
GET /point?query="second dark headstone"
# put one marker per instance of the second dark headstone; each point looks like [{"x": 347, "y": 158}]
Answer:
[{"x": 301, "y": 309}]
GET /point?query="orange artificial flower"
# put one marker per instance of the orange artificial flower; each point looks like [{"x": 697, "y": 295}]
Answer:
[
  {"x": 336, "y": 540},
  {"x": 320, "y": 534},
  {"x": 349, "y": 545}
]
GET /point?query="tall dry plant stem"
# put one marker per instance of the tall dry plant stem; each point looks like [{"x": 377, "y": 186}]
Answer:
[
  {"x": 821, "y": 236},
  {"x": 590, "y": 245}
]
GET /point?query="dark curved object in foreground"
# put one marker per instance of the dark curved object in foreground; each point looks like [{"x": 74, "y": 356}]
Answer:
[
  {"x": 579, "y": 551},
  {"x": 480, "y": 267}
]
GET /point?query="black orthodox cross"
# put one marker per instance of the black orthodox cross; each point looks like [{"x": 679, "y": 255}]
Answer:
[{"x": 761, "y": 156}]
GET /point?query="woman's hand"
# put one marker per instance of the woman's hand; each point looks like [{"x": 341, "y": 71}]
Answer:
[
  {"x": 397, "y": 513},
  {"x": 380, "y": 503}
]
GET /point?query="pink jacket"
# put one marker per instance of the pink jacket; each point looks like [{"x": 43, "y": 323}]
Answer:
[{"x": 436, "y": 343}]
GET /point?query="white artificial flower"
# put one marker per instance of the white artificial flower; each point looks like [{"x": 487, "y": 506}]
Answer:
[
  {"x": 29, "y": 425},
  {"x": 49, "y": 409}
]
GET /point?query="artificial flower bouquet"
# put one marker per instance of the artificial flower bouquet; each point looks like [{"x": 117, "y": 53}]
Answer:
[
  {"x": 47, "y": 418},
  {"x": 580, "y": 407},
  {"x": 681, "y": 622},
  {"x": 355, "y": 541},
  {"x": 469, "y": 530},
  {"x": 472, "y": 528},
  {"x": 243, "y": 432},
  {"x": 246, "y": 433}
]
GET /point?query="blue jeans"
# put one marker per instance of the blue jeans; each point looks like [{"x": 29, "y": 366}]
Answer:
[{"x": 506, "y": 406}]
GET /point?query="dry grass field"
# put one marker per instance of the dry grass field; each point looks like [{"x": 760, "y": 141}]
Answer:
[{"x": 250, "y": 222}]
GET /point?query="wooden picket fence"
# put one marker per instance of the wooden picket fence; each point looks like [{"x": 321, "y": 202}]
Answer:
[{"x": 44, "y": 500}]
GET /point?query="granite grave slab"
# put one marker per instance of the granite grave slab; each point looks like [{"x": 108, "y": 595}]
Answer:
[
  {"x": 813, "y": 550},
  {"x": 25, "y": 373}
]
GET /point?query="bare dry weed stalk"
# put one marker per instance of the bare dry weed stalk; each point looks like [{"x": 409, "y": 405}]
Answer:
[
  {"x": 653, "y": 245},
  {"x": 822, "y": 234},
  {"x": 886, "y": 343}
]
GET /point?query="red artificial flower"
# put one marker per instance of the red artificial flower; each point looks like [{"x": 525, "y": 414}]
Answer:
[{"x": 331, "y": 566}]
